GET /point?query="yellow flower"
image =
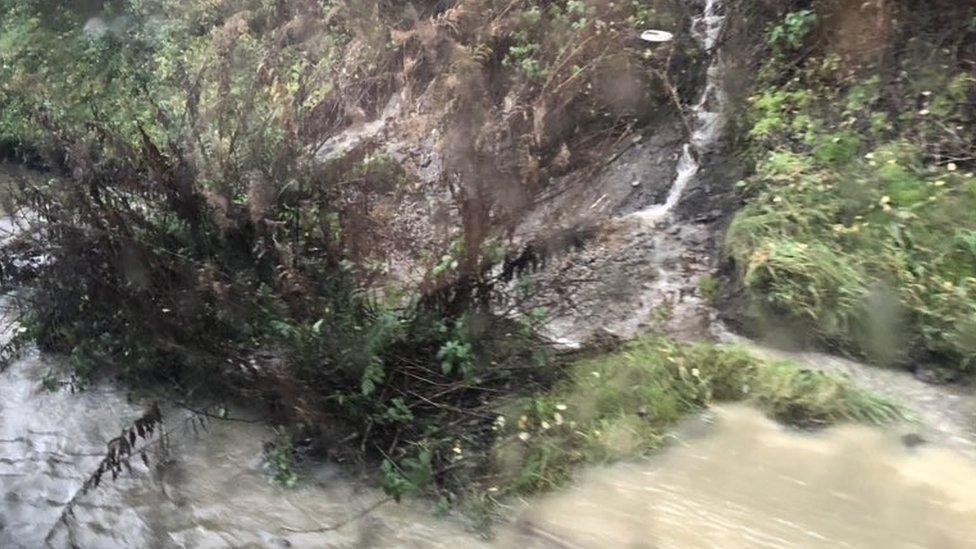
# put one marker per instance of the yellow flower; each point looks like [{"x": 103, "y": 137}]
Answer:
[{"x": 758, "y": 257}]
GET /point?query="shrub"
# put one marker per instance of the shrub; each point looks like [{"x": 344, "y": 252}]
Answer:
[{"x": 790, "y": 34}]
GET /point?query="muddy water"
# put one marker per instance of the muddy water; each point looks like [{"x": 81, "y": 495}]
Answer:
[
  {"x": 946, "y": 414},
  {"x": 731, "y": 478},
  {"x": 744, "y": 481},
  {"x": 210, "y": 489}
]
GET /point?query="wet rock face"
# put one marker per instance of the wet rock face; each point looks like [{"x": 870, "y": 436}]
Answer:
[
  {"x": 629, "y": 280},
  {"x": 712, "y": 197},
  {"x": 641, "y": 174},
  {"x": 660, "y": 207},
  {"x": 631, "y": 277}
]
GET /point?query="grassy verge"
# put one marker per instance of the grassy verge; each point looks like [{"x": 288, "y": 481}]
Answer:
[{"x": 622, "y": 405}]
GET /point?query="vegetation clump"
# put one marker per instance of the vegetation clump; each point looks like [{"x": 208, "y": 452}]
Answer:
[
  {"x": 194, "y": 236},
  {"x": 622, "y": 405},
  {"x": 860, "y": 214}
]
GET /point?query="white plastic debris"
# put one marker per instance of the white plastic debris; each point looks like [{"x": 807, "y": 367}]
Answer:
[{"x": 656, "y": 36}]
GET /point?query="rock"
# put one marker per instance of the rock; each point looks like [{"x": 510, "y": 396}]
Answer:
[
  {"x": 912, "y": 440},
  {"x": 603, "y": 340},
  {"x": 709, "y": 216},
  {"x": 936, "y": 374}
]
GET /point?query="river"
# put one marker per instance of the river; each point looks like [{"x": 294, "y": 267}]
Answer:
[
  {"x": 736, "y": 479},
  {"x": 730, "y": 478}
]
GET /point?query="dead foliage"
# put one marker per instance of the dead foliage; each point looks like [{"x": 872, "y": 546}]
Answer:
[{"x": 123, "y": 447}]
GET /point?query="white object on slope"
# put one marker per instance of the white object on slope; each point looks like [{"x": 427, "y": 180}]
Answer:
[{"x": 656, "y": 36}]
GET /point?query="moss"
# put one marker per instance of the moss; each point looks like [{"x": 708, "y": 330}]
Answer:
[{"x": 708, "y": 287}]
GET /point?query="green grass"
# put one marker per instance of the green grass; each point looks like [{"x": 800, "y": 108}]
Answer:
[
  {"x": 623, "y": 404},
  {"x": 860, "y": 214}
]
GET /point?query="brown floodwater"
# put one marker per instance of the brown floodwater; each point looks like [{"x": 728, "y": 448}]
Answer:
[
  {"x": 730, "y": 478},
  {"x": 738, "y": 479}
]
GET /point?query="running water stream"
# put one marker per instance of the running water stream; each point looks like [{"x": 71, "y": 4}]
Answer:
[
  {"x": 735, "y": 479},
  {"x": 731, "y": 478},
  {"x": 207, "y": 489},
  {"x": 706, "y": 121}
]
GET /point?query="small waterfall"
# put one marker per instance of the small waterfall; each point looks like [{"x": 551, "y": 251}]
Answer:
[{"x": 706, "y": 114}]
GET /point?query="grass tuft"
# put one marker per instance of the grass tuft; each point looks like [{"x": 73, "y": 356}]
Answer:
[{"x": 621, "y": 406}]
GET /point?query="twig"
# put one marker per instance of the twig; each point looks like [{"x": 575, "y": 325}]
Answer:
[{"x": 82, "y": 490}]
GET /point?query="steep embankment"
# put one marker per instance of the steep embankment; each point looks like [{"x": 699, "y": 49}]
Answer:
[
  {"x": 857, "y": 228},
  {"x": 653, "y": 255}
]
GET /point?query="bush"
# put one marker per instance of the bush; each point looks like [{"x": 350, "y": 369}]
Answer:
[
  {"x": 194, "y": 241},
  {"x": 857, "y": 217}
]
